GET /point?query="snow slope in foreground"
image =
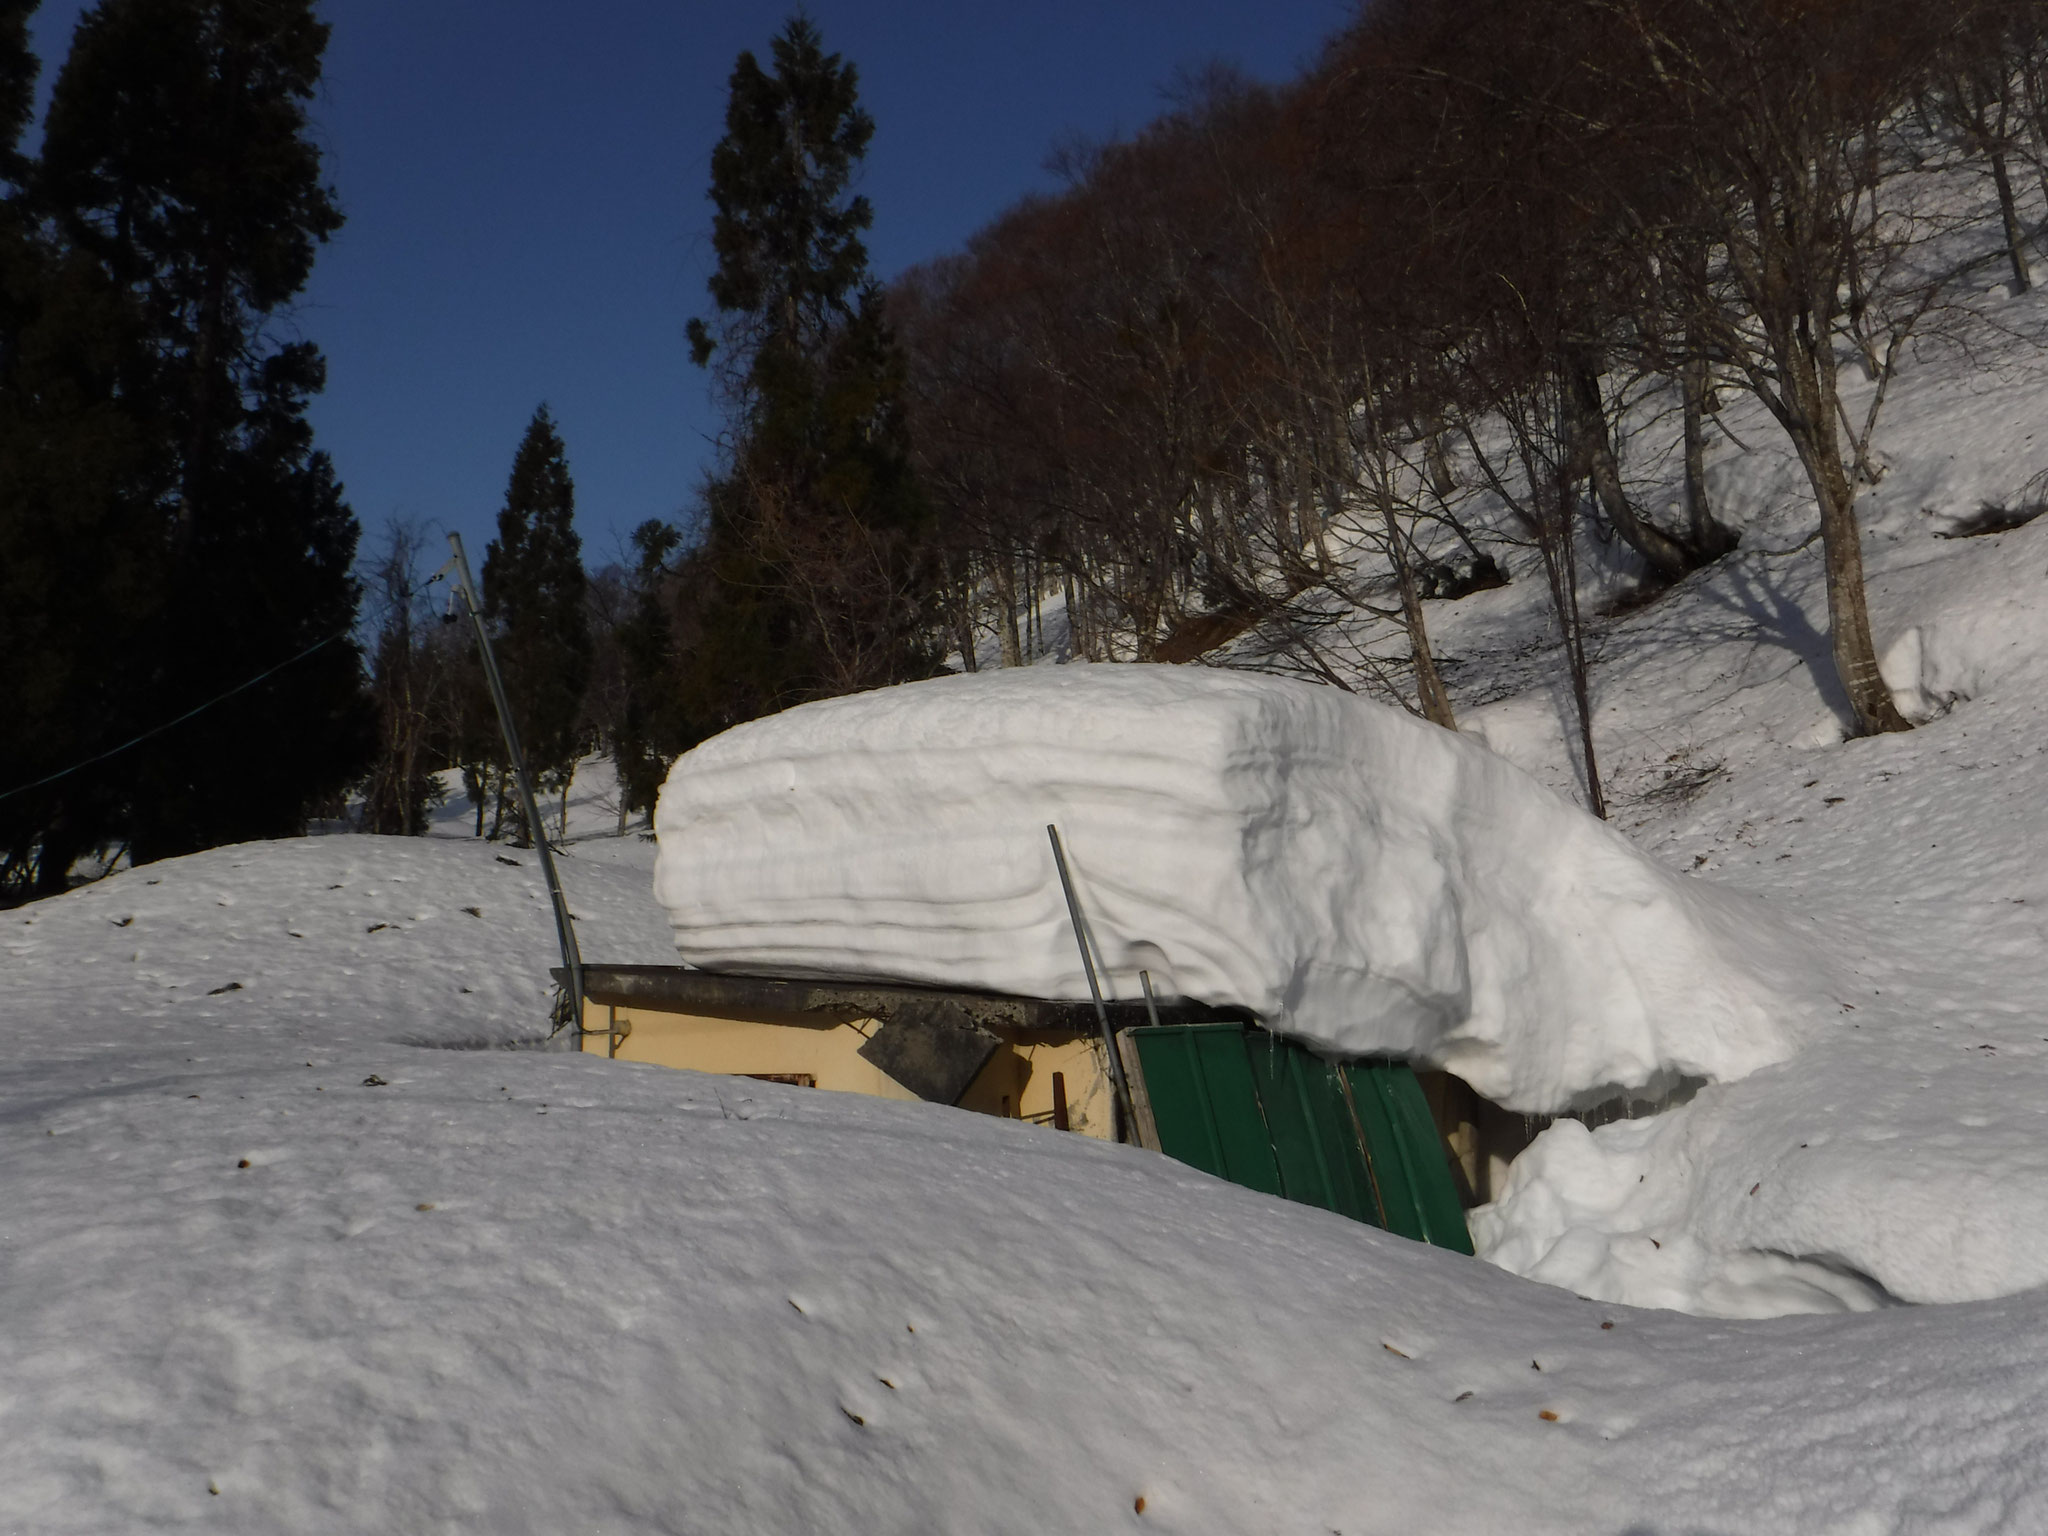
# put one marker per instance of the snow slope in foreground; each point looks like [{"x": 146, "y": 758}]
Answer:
[
  {"x": 1355, "y": 876},
  {"x": 511, "y": 1291}
]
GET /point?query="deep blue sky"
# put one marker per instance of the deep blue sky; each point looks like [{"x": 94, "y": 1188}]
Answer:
[{"x": 525, "y": 188}]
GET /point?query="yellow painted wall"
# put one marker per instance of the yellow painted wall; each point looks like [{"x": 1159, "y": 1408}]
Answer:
[
  {"x": 1015, "y": 1083},
  {"x": 829, "y": 1053}
]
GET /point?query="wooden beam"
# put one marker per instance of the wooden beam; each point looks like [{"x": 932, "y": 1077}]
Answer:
[{"x": 716, "y": 994}]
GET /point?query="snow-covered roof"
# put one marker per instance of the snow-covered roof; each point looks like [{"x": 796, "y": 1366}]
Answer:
[{"x": 1354, "y": 876}]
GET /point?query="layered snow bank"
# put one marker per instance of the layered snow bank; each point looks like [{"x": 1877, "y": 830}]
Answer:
[
  {"x": 1844, "y": 1180},
  {"x": 1357, "y": 877}
]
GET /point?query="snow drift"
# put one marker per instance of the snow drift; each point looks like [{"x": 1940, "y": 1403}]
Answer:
[
  {"x": 1961, "y": 653},
  {"x": 498, "y": 1292},
  {"x": 1358, "y": 878}
]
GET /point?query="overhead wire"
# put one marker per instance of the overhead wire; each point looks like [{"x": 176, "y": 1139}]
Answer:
[{"x": 134, "y": 741}]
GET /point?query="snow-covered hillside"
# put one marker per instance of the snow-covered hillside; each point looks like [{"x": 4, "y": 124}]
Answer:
[{"x": 1903, "y": 1156}]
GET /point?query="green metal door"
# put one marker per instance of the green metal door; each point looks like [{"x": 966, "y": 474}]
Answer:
[{"x": 1260, "y": 1111}]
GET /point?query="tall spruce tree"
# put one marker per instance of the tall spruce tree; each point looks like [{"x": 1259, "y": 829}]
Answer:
[
  {"x": 533, "y": 593},
  {"x": 159, "y": 466},
  {"x": 54, "y": 475},
  {"x": 814, "y": 577},
  {"x": 18, "y": 71}
]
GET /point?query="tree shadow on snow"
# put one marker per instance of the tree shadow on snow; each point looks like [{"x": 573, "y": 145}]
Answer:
[{"x": 1758, "y": 608}]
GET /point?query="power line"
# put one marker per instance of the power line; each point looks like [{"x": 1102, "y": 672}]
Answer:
[{"x": 159, "y": 730}]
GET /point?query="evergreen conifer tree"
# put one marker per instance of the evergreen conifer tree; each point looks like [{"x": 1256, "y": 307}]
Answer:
[
  {"x": 18, "y": 71},
  {"x": 533, "y": 590},
  {"x": 51, "y": 467},
  {"x": 182, "y": 532},
  {"x": 814, "y": 576}
]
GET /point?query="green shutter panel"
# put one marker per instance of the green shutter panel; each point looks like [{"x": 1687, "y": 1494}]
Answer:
[
  {"x": 1205, "y": 1104},
  {"x": 1266, "y": 1113}
]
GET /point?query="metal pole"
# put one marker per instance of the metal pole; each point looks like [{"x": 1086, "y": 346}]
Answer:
[
  {"x": 1116, "y": 1068},
  {"x": 1151, "y": 1002},
  {"x": 565, "y": 929}
]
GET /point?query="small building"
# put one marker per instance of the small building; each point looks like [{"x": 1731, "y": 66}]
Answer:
[
  {"x": 1370, "y": 1139},
  {"x": 1022, "y": 1058}
]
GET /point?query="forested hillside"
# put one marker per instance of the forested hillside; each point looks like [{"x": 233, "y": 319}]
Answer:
[
  {"x": 1489, "y": 294},
  {"x": 1275, "y": 378},
  {"x": 1470, "y": 287}
]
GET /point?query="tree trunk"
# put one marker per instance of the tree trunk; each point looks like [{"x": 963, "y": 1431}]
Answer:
[
  {"x": 1004, "y": 574},
  {"x": 1711, "y": 538},
  {"x": 1436, "y": 461},
  {"x": 1811, "y": 425},
  {"x": 1666, "y": 556},
  {"x": 2007, "y": 212},
  {"x": 409, "y": 811},
  {"x": 1429, "y": 685},
  {"x": 61, "y": 847},
  {"x": 962, "y": 604},
  {"x": 1561, "y": 566},
  {"x": 1849, "y": 613},
  {"x": 1034, "y": 615},
  {"x": 412, "y": 811},
  {"x": 200, "y": 428}
]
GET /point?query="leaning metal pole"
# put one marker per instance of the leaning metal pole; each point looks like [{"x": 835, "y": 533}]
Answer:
[
  {"x": 1116, "y": 1070},
  {"x": 565, "y": 929}
]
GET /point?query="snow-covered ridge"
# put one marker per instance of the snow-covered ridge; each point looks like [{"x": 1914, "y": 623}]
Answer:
[{"x": 1359, "y": 878}]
